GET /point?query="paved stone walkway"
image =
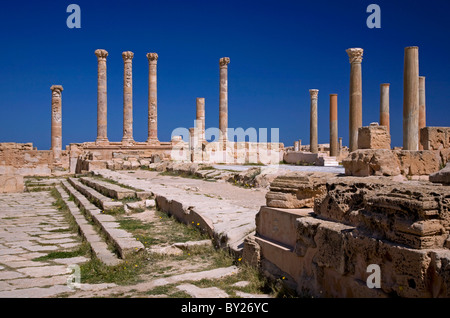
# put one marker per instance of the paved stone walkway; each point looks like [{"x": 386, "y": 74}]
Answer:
[{"x": 31, "y": 227}]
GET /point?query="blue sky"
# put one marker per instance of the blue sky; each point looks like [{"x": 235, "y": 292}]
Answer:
[{"x": 278, "y": 50}]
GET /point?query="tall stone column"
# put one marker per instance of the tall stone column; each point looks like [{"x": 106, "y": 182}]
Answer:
[
  {"x": 355, "y": 55},
  {"x": 384, "y": 106},
  {"x": 127, "y": 98},
  {"x": 152, "y": 99},
  {"x": 102, "y": 136},
  {"x": 223, "y": 98},
  {"x": 422, "y": 107},
  {"x": 313, "y": 139},
  {"x": 200, "y": 117},
  {"x": 56, "y": 134},
  {"x": 334, "y": 146},
  {"x": 411, "y": 99}
]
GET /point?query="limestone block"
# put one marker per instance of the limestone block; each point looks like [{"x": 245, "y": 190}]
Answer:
[
  {"x": 367, "y": 162},
  {"x": 10, "y": 183},
  {"x": 422, "y": 162},
  {"x": 374, "y": 137},
  {"x": 297, "y": 190},
  {"x": 442, "y": 176},
  {"x": 435, "y": 138}
]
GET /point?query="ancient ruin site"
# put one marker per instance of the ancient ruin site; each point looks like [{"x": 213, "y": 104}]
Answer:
[{"x": 126, "y": 202}]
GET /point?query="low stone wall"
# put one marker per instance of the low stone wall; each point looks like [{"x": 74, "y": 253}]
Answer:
[
  {"x": 10, "y": 183},
  {"x": 299, "y": 157}
]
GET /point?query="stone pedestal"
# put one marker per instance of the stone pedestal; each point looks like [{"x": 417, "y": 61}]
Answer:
[
  {"x": 56, "y": 139},
  {"x": 223, "y": 98},
  {"x": 384, "y": 106},
  {"x": 102, "y": 136},
  {"x": 411, "y": 99},
  {"x": 374, "y": 137},
  {"x": 127, "y": 98},
  {"x": 334, "y": 146},
  {"x": 355, "y": 118},
  {"x": 313, "y": 138},
  {"x": 152, "y": 98}
]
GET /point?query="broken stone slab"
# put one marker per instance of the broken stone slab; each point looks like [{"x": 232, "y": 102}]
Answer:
[
  {"x": 442, "y": 176},
  {"x": 198, "y": 292},
  {"x": 297, "y": 190},
  {"x": 108, "y": 189}
]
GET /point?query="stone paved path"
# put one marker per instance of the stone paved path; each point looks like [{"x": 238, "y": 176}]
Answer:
[{"x": 31, "y": 227}]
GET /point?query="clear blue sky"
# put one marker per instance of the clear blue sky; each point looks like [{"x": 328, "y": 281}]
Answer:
[{"x": 278, "y": 50}]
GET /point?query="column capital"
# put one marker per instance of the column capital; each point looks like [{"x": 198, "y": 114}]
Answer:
[
  {"x": 101, "y": 54},
  {"x": 127, "y": 56},
  {"x": 385, "y": 84},
  {"x": 314, "y": 93},
  {"x": 57, "y": 88},
  {"x": 224, "y": 61},
  {"x": 152, "y": 57},
  {"x": 355, "y": 55}
]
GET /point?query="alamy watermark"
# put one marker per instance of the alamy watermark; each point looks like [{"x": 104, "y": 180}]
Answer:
[
  {"x": 374, "y": 279},
  {"x": 74, "y": 19},
  {"x": 374, "y": 19}
]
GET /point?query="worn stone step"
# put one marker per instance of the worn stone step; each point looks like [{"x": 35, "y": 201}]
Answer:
[
  {"x": 96, "y": 197},
  {"x": 108, "y": 189},
  {"x": 125, "y": 244},
  {"x": 87, "y": 231}
]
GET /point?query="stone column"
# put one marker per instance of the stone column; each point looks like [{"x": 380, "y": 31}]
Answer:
[
  {"x": 152, "y": 99},
  {"x": 334, "y": 146},
  {"x": 313, "y": 139},
  {"x": 296, "y": 146},
  {"x": 340, "y": 144},
  {"x": 411, "y": 99},
  {"x": 56, "y": 142},
  {"x": 384, "y": 106},
  {"x": 422, "y": 107},
  {"x": 200, "y": 118},
  {"x": 102, "y": 136},
  {"x": 223, "y": 98},
  {"x": 299, "y": 145},
  {"x": 127, "y": 98},
  {"x": 355, "y": 55}
]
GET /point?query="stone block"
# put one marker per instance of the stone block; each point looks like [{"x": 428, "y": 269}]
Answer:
[
  {"x": 442, "y": 176},
  {"x": 367, "y": 162},
  {"x": 374, "y": 137},
  {"x": 10, "y": 183}
]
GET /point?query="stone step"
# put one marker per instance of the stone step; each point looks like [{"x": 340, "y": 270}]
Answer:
[
  {"x": 124, "y": 242},
  {"x": 108, "y": 189},
  {"x": 101, "y": 201},
  {"x": 87, "y": 231}
]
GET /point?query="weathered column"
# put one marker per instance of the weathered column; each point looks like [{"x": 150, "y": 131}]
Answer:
[
  {"x": 152, "y": 99},
  {"x": 296, "y": 145},
  {"x": 102, "y": 136},
  {"x": 200, "y": 118},
  {"x": 355, "y": 55},
  {"x": 411, "y": 99},
  {"x": 422, "y": 107},
  {"x": 313, "y": 139},
  {"x": 56, "y": 133},
  {"x": 127, "y": 98},
  {"x": 299, "y": 145},
  {"x": 334, "y": 146},
  {"x": 340, "y": 144},
  {"x": 384, "y": 106},
  {"x": 223, "y": 98}
]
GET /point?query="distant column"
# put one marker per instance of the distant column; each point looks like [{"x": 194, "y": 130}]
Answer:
[
  {"x": 334, "y": 146},
  {"x": 127, "y": 98},
  {"x": 296, "y": 146},
  {"x": 313, "y": 139},
  {"x": 56, "y": 134},
  {"x": 411, "y": 99},
  {"x": 422, "y": 107},
  {"x": 384, "y": 106},
  {"x": 152, "y": 98},
  {"x": 102, "y": 118},
  {"x": 355, "y": 55},
  {"x": 223, "y": 98},
  {"x": 299, "y": 145},
  {"x": 200, "y": 117}
]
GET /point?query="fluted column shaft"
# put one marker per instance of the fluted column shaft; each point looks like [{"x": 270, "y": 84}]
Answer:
[
  {"x": 152, "y": 98},
  {"x": 313, "y": 138},
  {"x": 223, "y": 98},
  {"x": 56, "y": 128},
  {"x": 102, "y": 112},
  {"x": 127, "y": 97},
  {"x": 355, "y": 118},
  {"x": 411, "y": 99}
]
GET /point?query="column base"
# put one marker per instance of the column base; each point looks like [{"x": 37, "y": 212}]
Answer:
[
  {"x": 102, "y": 141},
  {"x": 128, "y": 141},
  {"x": 153, "y": 141}
]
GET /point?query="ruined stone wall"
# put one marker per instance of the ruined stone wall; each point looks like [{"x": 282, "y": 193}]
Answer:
[{"x": 24, "y": 159}]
